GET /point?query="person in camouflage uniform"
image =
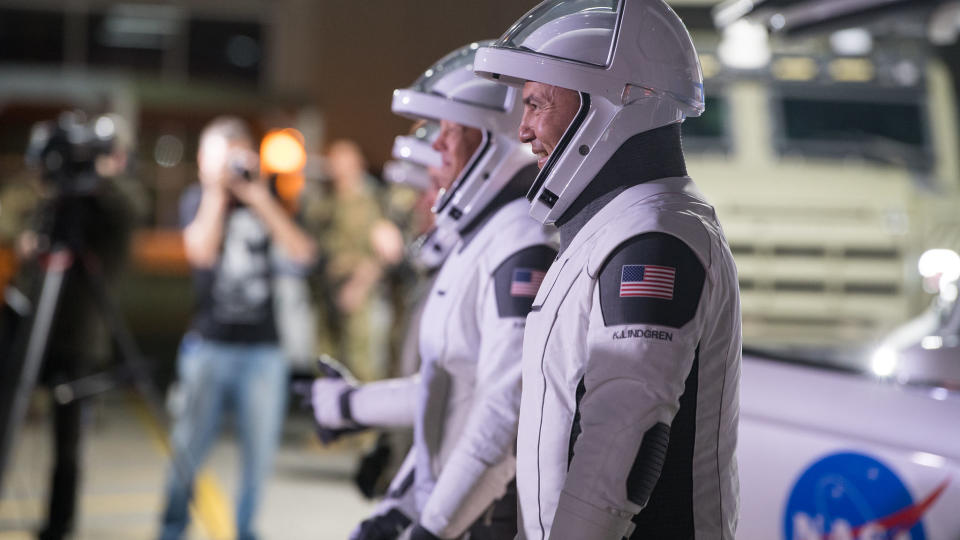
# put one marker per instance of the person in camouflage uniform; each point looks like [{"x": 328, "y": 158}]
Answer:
[{"x": 342, "y": 216}]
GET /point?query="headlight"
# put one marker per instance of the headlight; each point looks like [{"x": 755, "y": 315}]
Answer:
[
  {"x": 884, "y": 362},
  {"x": 942, "y": 262}
]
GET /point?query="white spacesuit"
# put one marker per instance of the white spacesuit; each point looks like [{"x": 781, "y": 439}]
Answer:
[
  {"x": 342, "y": 404},
  {"x": 631, "y": 358},
  {"x": 392, "y": 402},
  {"x": 468, "y": 394}
]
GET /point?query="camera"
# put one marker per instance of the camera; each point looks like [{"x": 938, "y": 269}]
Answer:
[
  {"x": 66, "y": 150},
  {"x": 242, "y": 165}
]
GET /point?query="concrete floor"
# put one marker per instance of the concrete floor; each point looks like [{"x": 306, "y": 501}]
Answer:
[{"x": 310, "y": 495}]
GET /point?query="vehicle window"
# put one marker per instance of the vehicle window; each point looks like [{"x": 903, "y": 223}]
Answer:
[
  {"x": 883, "y": 131},
  {"x": 709, "y": 132}
]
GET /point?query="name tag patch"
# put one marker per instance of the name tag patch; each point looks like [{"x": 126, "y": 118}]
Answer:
[{"x": 643, "y": 333}]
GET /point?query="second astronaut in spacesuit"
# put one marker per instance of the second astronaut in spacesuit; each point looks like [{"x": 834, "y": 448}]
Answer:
[{"x": 466, "y": 398}]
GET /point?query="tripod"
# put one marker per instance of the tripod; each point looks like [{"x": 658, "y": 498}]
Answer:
[{"x": 67, "y": 258}]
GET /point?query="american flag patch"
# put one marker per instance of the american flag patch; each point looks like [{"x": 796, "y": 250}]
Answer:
[
  {"x": 526, "y": 282},
  {"x": 647, "y": 281}
]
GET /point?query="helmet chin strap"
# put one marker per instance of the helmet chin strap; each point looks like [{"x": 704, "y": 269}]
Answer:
[{"x": 646, "y": 156}]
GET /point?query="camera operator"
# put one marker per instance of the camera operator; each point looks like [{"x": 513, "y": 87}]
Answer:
[
  {"x": 78, "y": 340},
  {"x": 237, "y": 236}
]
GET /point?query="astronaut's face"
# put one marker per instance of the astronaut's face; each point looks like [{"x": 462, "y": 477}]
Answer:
[
  {"x": 456, "y": 144},
  {"x": 547, "y": 112}
]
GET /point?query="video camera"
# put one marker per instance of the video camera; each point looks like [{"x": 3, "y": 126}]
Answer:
[{"x": 66, "y": 150}]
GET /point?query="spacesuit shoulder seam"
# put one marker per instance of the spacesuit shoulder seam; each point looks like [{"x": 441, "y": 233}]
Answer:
[
  {"x": 513, "y": 236},
  {"x": 617, "y": 231}
]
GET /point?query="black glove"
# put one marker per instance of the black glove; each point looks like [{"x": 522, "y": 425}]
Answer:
[
  {"x": 329, "y": 367},
  {"x": 372, "y": 466},
  {"x": 419, "y": 533},
  {"x": 382, "y": 527}
]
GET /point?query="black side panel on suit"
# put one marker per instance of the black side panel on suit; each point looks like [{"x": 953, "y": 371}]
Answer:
[
  {"x": 576, "y": 429},
  {"x": 518, "y": 277},
  {"x": 669, "y": 513},
  {"x": 648, "y": 464},
  {"x": 629, "y": 280},
  {"x": 403, "y": 487}
]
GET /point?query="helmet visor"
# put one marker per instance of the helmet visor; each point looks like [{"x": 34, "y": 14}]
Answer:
[
  {"x": 426, "y": 132},
  {"x": 432, "y": 80},
  {"x": 407, "y": 173},
  {"x": 446, "y": 195},
  {"x": 417, "y": 147},
  {"x": 576, "y": 30}
]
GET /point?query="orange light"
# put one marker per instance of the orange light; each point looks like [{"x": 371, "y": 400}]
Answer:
[
  {"x": 289, "y": 187},
  {"x": 282, "y": 152}
]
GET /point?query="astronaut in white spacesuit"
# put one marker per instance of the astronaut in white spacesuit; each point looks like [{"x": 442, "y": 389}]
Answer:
[
  {"x": 631, "y": 356},
  {"x": 465, "y": 404}
]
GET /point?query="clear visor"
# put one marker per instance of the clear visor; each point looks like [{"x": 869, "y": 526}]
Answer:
[
  {"x": 446, "y": 195},
  {"x": 417, "y": 146},
  {"x": 426, "y": 131},
  {"x": 406, "y": 173},
  {"x": 577, "y": 30},
  {"x": 461, "y": 59}
]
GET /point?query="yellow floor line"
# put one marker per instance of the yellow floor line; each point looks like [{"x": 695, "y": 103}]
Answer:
[{"x": 211, "y": 505}]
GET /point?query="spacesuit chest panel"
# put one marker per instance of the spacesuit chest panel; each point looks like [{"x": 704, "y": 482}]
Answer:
[
  {"x": 553, "y": 358},
  {"x": 554, "y": 292},
  {"x": 446, "y": 381},
  {"x": 446, "y": 307}
]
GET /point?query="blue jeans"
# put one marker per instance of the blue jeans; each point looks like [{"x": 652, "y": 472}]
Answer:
[{"x": 213, "y": 376}]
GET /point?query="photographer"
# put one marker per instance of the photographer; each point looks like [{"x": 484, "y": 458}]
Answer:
[
  {"x": 94, "y": 215},
  {"x": 237, "y": 236}
]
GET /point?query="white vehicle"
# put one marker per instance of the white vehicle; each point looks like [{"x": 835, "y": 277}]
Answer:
[
  {"x": 829, "y": 191},
  {"x": 839, "y": 455},
  {"x": 834, "y": 176}
]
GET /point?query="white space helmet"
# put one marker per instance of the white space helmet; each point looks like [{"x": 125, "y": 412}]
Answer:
[
  {"x": 412, "y": 154},
  {"x": 406, "y": 173},
  {"x": 633, "y": 63},
  {"x": 450, "y": 91}
]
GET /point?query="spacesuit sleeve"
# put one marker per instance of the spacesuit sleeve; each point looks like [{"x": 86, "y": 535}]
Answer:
[
  {"x": 387, "y": 403},
  {"x": 400, "y": 494},
  {"x": 482, "y": 464},
  {"x": 642, "y": 342}
]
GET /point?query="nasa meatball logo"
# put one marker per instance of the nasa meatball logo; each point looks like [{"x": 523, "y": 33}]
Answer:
[{"x": 850, "y": 496}]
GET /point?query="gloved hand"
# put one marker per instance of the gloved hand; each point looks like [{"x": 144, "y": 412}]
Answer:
[
  {"x": 387, "y": 526},
  {"x": 327, "y": 396},
  {"x": 330, "y": 400}
]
